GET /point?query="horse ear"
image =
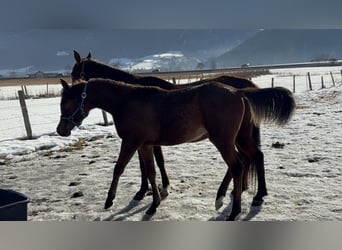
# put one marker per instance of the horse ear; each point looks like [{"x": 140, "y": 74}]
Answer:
[
  {"x": 89, "y": 56},
  {"x": 64, "y": 84},
  {"x": 77, "y": 56}
]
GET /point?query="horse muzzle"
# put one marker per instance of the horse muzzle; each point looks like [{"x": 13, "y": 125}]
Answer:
[{"x": 63, "y": 130}]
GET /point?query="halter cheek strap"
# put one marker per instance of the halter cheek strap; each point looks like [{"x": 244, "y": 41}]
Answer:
[
  {"x": 82, "y": 72},
  {"x": 71, "y": 118}
]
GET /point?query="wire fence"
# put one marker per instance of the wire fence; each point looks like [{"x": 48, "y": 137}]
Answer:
[
  {"x": 43, "y": 113},
  {"x": 43, "y": 117},
  {"x": 301, "y": 81}
]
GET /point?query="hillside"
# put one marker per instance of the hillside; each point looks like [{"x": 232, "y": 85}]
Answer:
[
  {"x": 51, "y": 49},
  {"x": 285, "y": 46}
]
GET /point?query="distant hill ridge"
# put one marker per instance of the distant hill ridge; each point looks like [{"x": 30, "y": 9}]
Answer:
[
  {"x": 51, "y": 49},
  {"x": 285, "y": 46}
]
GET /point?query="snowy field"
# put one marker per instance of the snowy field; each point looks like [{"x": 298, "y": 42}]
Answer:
[{"x": 304, "y": 177}]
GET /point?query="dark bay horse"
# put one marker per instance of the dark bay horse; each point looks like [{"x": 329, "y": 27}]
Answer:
[
  {"x": 87, "y": 68},
  {"x": 149, "y": 116}
]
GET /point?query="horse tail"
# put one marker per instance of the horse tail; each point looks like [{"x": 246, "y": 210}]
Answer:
[
  {"x": 275, "y": 105},
  {"x": 252, "y": 174}
]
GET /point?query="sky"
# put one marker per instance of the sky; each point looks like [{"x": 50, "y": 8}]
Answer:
[{"x": 232, "y": 14}]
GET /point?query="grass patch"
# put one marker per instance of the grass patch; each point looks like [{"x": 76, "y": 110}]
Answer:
[
  {"x": 80, "y": 144},
  {"x": 76, "y": 146}
]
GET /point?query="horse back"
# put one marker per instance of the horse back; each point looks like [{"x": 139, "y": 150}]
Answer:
[
  {"x": 233, "y": 81},
  {"x": 164, "y": 117}
]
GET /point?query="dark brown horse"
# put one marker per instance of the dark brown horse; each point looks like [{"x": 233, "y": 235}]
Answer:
[
  {"x": 88, "y": 68},
  {"x": 149, "y": 116}
]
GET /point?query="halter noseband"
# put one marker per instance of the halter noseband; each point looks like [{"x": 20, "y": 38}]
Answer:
[{"x": 70, "y": 118}]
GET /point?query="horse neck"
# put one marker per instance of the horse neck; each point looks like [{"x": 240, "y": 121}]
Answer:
[
  {"x": 104, "y": 95},
  {"x": 107, "y": 71}
]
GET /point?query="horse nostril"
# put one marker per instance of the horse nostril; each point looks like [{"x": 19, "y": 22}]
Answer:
[{"x": 62, "y": 132}]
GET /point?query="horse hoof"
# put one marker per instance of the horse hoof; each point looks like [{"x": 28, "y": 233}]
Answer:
[
  {"x": 257, "y": 203},
  {"x": 164, "y": 193},
  {"x": 138, "y": 197},
  {"x": 108, "y": 204},
  {"x": 230, "y": 218},
  {"x": 219, "y": 203},
  {"x": 151, "y": 210},
  {"x": 233, "y": 216}
]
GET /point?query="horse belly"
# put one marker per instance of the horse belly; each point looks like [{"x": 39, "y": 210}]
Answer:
[{"x": 187, "y": 131}]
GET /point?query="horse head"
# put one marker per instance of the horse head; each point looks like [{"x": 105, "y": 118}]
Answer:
[
  {"x": 73, "y": 107},
  {"x": 78, "y": 71}
]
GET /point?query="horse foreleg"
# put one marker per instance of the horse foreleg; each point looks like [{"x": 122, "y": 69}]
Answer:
[
  {"x": 147, "y": 155},
  {"x": 158, "y": 155},
  {"x": 126, "y": 152},
  {"x": 144, "y": 183}
]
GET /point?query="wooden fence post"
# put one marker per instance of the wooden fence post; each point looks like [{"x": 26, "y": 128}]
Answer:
[
  {"x": 272, "y": 83},
  {"x": 105, "y": 119},
  {"x": 174, "y": 80},
  {"x": 310, "y": 84},
  {"x": 25, "y": 114},
  {"x": 322, "y": 80},
  {"x": 294, "y": 84},
  {"x": 332, "y": 78},
  {"x": 24, "y": 89}
]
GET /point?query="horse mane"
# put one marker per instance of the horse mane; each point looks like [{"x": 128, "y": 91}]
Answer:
[
  {"x": 107, "y": 71},
  {"x": 100, "y": 66},
  {"x": 111, "y": 82}
]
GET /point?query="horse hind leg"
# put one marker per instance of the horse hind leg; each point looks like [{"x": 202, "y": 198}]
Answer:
[
  {"x": 251, "y": 150},
  {"x": 158, "y": 154},
  {"x": 235, "y": 169},
  {"x": 262, "y": 190},
  {"x": 221, "y": 192}
]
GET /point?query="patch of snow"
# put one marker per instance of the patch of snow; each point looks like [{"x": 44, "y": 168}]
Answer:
[{"x": 173, "y": 60}]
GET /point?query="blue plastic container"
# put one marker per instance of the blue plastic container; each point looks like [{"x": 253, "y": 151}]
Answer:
[{"x": 13, "y": 206}]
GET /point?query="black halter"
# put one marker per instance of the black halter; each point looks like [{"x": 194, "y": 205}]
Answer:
[
  {"x": 80, "y": 108},
  {"x": 82, "y": 74}
]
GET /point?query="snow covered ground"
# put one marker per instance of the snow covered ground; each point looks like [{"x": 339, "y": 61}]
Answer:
[{"x": 304, "y": 177}]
